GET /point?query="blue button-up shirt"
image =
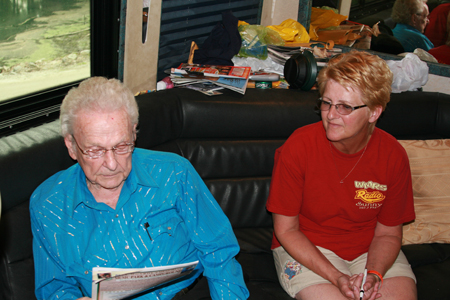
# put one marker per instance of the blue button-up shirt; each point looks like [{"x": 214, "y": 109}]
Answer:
[
  {"x": 74, "y": 233},
  {"x": 411, "y": 38}
]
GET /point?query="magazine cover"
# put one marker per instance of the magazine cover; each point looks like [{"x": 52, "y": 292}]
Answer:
[{"x": 214, "y": 71}]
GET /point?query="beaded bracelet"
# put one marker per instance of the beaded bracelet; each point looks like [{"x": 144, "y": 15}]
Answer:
[{"x": 376, "y": 274}]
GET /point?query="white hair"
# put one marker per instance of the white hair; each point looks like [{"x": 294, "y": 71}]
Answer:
[{"x": 97, "y": 94}]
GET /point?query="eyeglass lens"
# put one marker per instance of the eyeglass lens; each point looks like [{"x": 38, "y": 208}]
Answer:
[{"x": 342, "y": 109}]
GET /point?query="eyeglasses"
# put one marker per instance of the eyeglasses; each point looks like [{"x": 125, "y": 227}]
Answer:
[
  {"x": 120, "y": 149},
  {"x": 426, "y": 18},
  {"x": 342, "y": 109}
]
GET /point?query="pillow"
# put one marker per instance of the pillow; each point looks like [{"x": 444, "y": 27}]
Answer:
[{"x": 430, "y": 170}]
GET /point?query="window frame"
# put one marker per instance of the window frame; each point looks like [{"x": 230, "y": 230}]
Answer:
[{"x": 366, "y": 8}]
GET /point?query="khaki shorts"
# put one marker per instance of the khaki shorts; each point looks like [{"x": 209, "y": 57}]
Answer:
[{"x": 294, "y": 277}]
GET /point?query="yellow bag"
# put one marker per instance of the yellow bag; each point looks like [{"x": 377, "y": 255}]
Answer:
[
  {"x": 291, "y": 31},
  {"x": 242, "y": 23},
  {"x": 323, "y": 18},
  {"x": 287, "y": 34}
]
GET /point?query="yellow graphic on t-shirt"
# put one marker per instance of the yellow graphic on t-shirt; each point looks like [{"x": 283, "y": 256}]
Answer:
[
  {"x": 370, "y": 185},
  {"x": 369, "y": 197}
]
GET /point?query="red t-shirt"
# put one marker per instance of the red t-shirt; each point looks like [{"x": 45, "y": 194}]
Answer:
[
  {"x": 436, "y": 30},
  {"x": 441, "y": 53},
  {"x": 338, "y": 216}
]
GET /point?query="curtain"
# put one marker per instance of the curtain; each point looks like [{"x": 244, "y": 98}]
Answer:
[{"x": 193, "y": 20}]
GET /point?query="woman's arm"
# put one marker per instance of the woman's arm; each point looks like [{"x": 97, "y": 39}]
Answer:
[
  {"x": 383, "y": 252},
  {"x": 384, "y": 249},
  {"x": 306, "y": 253}
]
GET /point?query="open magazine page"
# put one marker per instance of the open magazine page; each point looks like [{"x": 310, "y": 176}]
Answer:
[{"x": 117, "y": 283}]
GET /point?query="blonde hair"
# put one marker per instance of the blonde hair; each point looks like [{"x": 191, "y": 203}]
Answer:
[
  {"x": 97, "y": 94},
  {"x": 364, "y": 72},
  {"x": 404, "y": 9}
]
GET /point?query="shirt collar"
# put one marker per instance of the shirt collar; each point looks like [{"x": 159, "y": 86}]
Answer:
[
  {"x": 139, "y": 173},
  {"x": 138, "y": 176},
  {"x": 407, "y": 26}
]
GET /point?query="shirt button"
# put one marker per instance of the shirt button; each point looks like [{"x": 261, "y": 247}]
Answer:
[
  {"x": 117, "y": 216},
  {"x": 86, "y": 272},
  {"x": 169, "y": 228},
  {"x": 127, "y": 247}
]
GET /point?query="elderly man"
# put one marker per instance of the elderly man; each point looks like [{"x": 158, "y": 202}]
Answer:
[
  {"x": 411, "y": 17},
  {"x": 124, "y": 207}
]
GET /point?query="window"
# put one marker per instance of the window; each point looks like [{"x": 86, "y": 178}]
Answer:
[
  {"x": 43, "y": 44},
  {"x": 185, "y": 21},
  {"x": 365, "y": 8},
  {"x": 46, "y": 48},
  {"x": 359, "y": 8}
]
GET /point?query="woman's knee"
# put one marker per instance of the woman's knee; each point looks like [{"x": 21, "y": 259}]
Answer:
[{"x": 399, "y": 288}]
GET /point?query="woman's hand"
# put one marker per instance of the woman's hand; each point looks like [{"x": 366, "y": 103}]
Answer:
[
  {"x": 345, "y": 284},
  {"x": 371, "y": 287},
  {"x": 84, "y": 298}
]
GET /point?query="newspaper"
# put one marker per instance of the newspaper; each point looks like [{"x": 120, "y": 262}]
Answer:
[{"x": 118, "y": 283}]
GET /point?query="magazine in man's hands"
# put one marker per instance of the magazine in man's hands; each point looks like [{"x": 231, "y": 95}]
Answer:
[{"x": 118, "y": 283}]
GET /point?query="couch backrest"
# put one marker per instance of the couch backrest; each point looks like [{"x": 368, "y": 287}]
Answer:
[
  {"x": 230, "y": 140},
  {"x": 26, "y": 159}
]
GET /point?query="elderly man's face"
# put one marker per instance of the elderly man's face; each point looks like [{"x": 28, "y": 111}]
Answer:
[
  {"x": 94, "y": 130},
  {"x": 421, "y": 20}
]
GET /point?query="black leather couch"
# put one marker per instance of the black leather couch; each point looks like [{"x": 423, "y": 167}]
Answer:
[{"x": 230, "y": 139}]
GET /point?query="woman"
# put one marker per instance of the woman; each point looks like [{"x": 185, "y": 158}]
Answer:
[
  {"x": 411, "y": 17},
  {"x": 442, "y": 52},
  {"x": 341, "y": 190},
  {"x": 436, "y": 30}
]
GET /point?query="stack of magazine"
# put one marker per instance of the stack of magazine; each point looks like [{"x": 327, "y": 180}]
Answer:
[{"x": 209, "y": 79}]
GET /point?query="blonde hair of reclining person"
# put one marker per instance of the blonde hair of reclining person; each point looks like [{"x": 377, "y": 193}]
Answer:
[{"x": 341, "y": 190}]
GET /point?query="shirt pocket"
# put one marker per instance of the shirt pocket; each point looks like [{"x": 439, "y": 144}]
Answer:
[
  {"x": 167, "y": 234},
  {"x": 163, "y": 228}
]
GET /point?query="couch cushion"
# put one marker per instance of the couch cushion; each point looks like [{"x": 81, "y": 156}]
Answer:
[
  {"x": 430, "y": 170},
  {"x": 425, "y": 254},
  {"x": 16, "y": 267},
  {"x": 243, "y": 200},
  {"x": 257, "y": 262},
  {"x": 431, "y": 265}
]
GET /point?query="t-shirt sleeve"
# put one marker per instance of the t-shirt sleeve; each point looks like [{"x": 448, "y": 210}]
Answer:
[
  {"x": 286, "y": 187},
  {"x": 399, "y": 205}
]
